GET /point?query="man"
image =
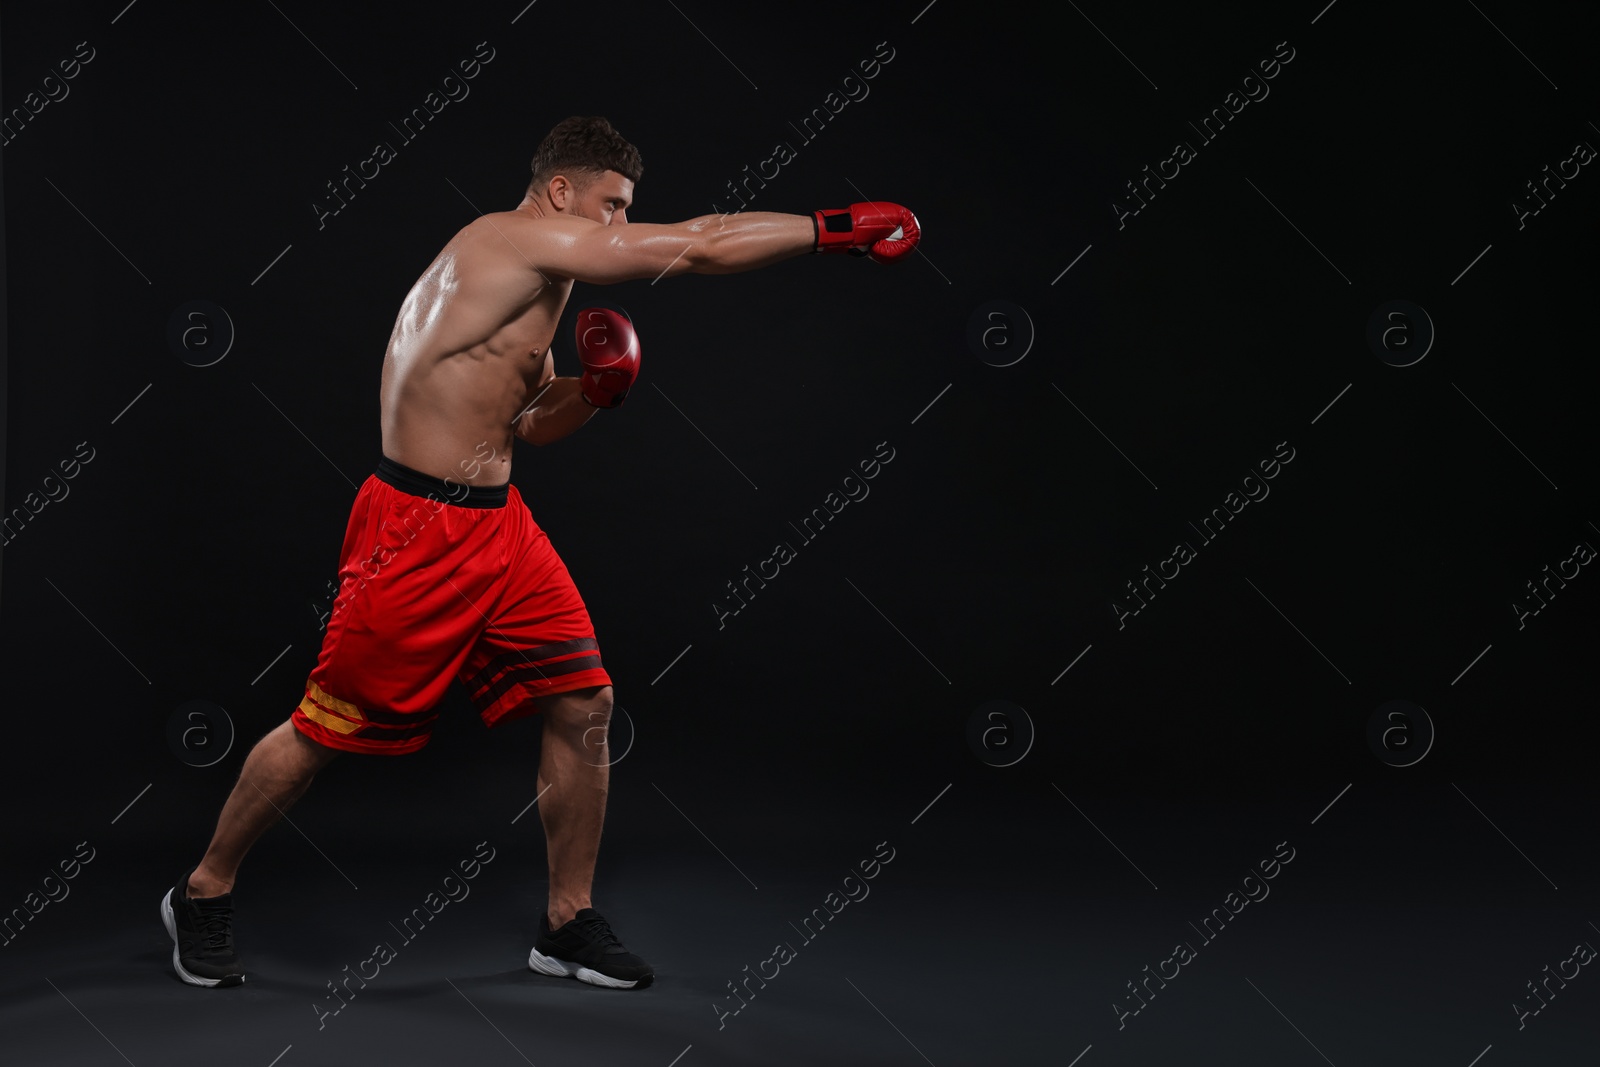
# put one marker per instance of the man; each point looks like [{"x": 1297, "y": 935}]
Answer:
[{"x": 443, "y": 572}]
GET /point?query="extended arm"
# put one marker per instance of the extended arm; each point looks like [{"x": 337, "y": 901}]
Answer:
[{"x": 711, "y": 244}]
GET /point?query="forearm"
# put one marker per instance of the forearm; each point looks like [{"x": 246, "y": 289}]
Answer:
[
  {"x": 559, "y": 410},
  {"x": 732, "y": 243}
]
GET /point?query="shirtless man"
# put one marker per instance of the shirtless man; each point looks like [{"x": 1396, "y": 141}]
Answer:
[{"x": 444, "y": 574}]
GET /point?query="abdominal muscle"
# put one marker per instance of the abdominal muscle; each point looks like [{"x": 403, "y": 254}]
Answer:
[{"x": 464, "y": 360}]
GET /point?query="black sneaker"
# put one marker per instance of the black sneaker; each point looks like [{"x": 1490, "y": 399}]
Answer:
[
  {"x": 587, "y": 950},
  {"x": 202, "y": 936}
]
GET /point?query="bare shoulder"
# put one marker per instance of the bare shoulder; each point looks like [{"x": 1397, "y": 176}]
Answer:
[{"x": 513, "y": 232}]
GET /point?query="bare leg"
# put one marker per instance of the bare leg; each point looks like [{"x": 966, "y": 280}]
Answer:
[
  {"x": 277, "y": 771},
  {"x": 574, "y": 775}
]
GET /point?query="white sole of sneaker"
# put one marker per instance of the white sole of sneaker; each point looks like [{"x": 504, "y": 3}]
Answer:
[
  {"x": 542, "y": 964},
  {"x": 177, "y": 964}
]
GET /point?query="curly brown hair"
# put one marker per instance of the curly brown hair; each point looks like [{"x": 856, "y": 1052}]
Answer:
[{"x": 583, "y": 147}]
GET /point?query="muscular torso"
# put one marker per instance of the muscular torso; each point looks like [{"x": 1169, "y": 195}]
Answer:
[{"x": 467, "y": 354}]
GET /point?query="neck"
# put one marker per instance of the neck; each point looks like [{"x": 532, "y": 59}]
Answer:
[{"x": 535, "y": 206}]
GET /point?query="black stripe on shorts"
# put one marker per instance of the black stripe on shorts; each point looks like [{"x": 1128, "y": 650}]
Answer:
[{"x": 530, "y": 656}]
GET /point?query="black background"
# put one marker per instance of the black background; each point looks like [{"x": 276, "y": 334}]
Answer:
[{"x": 1203, "y": 332}]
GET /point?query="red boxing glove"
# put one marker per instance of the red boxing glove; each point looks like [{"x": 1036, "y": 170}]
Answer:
[
  {"x": 886, "y": 232},
  {"x": 609, "y": 351}
]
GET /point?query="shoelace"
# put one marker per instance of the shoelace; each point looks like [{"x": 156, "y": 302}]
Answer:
[
  {"x": 217, "y": 927},
  {"x": 598, "y": 931}
]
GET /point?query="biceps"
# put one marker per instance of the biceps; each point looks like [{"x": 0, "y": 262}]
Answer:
[{"x": 628, "y": 252}]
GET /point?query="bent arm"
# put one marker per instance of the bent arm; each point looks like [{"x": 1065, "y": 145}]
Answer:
[
  {"x": 558, "y": 410},
  {"x": 711, "y": 244}
]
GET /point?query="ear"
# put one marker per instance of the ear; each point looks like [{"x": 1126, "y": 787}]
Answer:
[{"x": 560, "y": 192}]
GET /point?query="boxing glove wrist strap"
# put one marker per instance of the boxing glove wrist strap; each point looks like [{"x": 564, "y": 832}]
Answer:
[{"x": 833, "y": 230}]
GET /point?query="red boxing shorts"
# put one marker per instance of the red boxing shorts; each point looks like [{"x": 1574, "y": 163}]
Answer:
[{"x": 439, "y": 580}]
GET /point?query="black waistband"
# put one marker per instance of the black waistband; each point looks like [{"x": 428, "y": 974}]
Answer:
[{"x": 460, "y": 494}]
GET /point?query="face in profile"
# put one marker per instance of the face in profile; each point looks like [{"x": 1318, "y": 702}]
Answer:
[{"x": 605, "y": 199}]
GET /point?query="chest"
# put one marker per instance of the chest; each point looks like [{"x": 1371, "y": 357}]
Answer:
[{"x": 531, "y": 332}]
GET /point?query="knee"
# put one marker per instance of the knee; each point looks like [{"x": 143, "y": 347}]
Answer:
[
  {"x": 580, "y": 710},
  {"x": 298, "y": 748}
]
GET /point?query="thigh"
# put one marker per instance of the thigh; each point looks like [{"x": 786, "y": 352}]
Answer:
[
  {"x": 415, "y": 588},
  {"x": 539, "y": 642}
]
